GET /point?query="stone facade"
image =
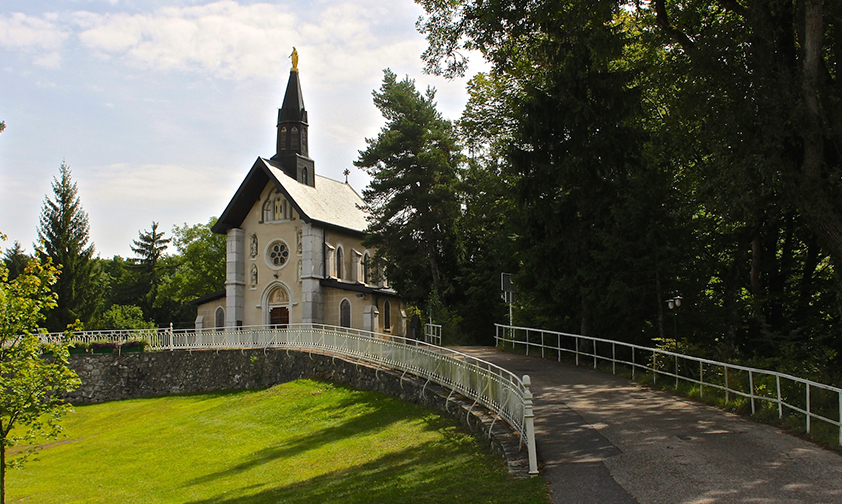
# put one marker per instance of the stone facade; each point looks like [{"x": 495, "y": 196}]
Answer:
[{"x": 112, "y": 377}]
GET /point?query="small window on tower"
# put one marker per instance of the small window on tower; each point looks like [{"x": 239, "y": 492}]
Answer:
[
  {"x": 283, "y": 137},
  {"x": 294, "y": 139},
  {"x": 304, "y": 142}
]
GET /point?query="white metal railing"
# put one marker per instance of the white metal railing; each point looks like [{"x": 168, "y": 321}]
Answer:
[
  {"x": 487, "y": 384},
  {"x": 816, "y": 401},
  {"x": 432, "y": 334}
]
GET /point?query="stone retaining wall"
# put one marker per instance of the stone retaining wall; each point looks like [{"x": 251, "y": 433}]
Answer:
[{"x": 114, "y": 377}]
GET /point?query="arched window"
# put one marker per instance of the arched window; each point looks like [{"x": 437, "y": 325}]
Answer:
[
  {"x": 345, "y": 313},
  {"x": 294, "y": 139},
  {"x": 304, "y": 175},
  {"x": 366, "y": 268},
  {"x": 304, "y": 141},
  {"x": 387, "y": 316},
  {"x": 219, "y": 318},
  {"x": 283, "y": 138},
  {"x": 340, "y": 262}
]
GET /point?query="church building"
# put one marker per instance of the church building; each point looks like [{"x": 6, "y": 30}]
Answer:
[{"x": 294, "y": 252}]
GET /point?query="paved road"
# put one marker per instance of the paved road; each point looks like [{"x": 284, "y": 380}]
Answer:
[{"x": 603, "y": 439}]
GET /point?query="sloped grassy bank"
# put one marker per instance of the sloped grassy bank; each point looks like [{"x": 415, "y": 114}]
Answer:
[{"x": 300, "y": 442}]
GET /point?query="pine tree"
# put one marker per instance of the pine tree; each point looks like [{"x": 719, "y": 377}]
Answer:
[
  {"x": 412, "y": 196},
  {"x": 150, "y": 247},
  {"x": 16, "y": 260},
  {"x": 63, "y": 234}
]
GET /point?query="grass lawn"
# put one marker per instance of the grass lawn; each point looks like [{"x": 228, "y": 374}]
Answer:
[{"x": 300, "y": 442}]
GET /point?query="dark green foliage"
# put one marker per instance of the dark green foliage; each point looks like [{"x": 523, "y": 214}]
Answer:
[
  {"x": 63, "y": 234},
  {"x": 412, "y": 199},
  {"x": 199, "y": 267},
  {"x": 150, "y": 247},
  {"x": 645, "y": 150},
  {"x": 123, "y": 317},
  {"x": 16, "y": 260}
]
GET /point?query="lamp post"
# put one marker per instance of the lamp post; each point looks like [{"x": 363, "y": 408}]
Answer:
[{"x": 673, "y": 303}]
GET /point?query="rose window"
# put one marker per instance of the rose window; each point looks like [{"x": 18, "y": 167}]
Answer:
[{"x": 277, "y": 254}]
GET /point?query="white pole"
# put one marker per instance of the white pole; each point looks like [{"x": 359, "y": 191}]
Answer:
[{"x": 529, "y": 421}]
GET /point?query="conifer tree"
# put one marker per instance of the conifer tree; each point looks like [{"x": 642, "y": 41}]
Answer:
[
  {"x": 16, "y": 260},
  {"x": 150, "y": 247},
  {"x": 64, "y": 236},
  {"x": 412, "y": 196}
]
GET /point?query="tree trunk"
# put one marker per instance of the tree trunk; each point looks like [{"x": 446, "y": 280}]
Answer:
[
  {"x": 816, "y": 204},
  {"x": 3, "y": 472}
]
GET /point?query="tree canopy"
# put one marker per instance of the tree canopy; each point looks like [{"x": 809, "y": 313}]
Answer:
[{"x": 652, "y": 149}]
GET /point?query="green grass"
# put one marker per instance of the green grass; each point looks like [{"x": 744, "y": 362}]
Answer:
[{"x": 300, "y": 442}]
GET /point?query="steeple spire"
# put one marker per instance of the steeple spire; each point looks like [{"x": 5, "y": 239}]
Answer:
[{"x": 292, "y": 145}]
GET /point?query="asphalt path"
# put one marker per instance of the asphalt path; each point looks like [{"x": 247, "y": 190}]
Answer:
[{"x": 604, "y": 439}]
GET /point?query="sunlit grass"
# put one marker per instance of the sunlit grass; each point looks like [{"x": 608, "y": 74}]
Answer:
[{"x": 300, "y": 442}]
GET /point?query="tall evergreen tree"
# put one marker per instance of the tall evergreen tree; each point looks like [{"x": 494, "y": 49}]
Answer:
[
  {"x": 150, "y": 247},
  {"x": 412, "y": 198},
  {"x": 64, "y": 236}
]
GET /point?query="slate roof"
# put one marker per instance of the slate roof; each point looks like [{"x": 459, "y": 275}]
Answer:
[{"x": 330, "y": 203}]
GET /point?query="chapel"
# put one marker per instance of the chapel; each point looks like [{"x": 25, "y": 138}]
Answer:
[{"x": 294, "y": 244}]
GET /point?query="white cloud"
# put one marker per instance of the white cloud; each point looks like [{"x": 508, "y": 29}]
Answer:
[
  {"x": 39, "y": 36},
  {"x": 236, "y": 41},
  {"x": 29, "y": 32}
]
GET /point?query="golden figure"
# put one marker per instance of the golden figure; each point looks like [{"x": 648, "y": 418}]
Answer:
[{"x": 294, "y": 57}]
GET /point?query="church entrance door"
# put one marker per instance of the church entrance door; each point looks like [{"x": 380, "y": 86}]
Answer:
[{"x": 279, "y": 316}]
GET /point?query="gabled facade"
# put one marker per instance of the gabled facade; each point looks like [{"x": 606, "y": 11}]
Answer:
[{"x": 294, "y": 252}]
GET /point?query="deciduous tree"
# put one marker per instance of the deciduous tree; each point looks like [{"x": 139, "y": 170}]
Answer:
[
  {"x": 31, "y": 383},
  {"x": 199, "y": 266}
]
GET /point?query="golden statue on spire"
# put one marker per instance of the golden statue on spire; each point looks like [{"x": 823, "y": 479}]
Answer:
[{"x": 294, "y": 57}]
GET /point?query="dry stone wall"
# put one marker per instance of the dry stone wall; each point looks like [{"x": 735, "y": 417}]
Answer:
[{"x": 114, "y": 377}]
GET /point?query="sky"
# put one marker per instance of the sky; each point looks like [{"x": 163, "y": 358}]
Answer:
[{"x": 160, "y": 108}]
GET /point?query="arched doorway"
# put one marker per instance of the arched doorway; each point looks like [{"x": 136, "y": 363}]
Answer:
[{"x": 277, "y": 306}]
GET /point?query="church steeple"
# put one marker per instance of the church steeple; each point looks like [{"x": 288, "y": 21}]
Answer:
[{"x": 292, "y": 146}]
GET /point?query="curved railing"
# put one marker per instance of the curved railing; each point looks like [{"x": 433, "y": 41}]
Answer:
[
  {"x": 816, "y": 401},
  {"x": 487, "y": 384}
]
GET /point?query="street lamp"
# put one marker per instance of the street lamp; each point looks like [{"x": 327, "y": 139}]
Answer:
[{"x": 673, "y": 303}]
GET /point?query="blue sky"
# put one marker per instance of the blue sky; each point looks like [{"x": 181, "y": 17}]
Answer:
[{"x": 160, "y": 108}]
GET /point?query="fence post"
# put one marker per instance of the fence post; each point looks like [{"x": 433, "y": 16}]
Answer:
[
  {"x": 172, "y": 343},
  {"x": 781, "y": 404},
  {"x": 808, "y": 407},
  {"x": 676, "y": 372},
  {"x": 526, "y": 338},
  {"x": 727, "y": 387},
  {"x": 529, "y": 424},
  {"x": 613, "y": 358},
  {"x": 751, "y": 389},
  {"x": 701, "y": 380},
  {"x": 634, "y": 364}
]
